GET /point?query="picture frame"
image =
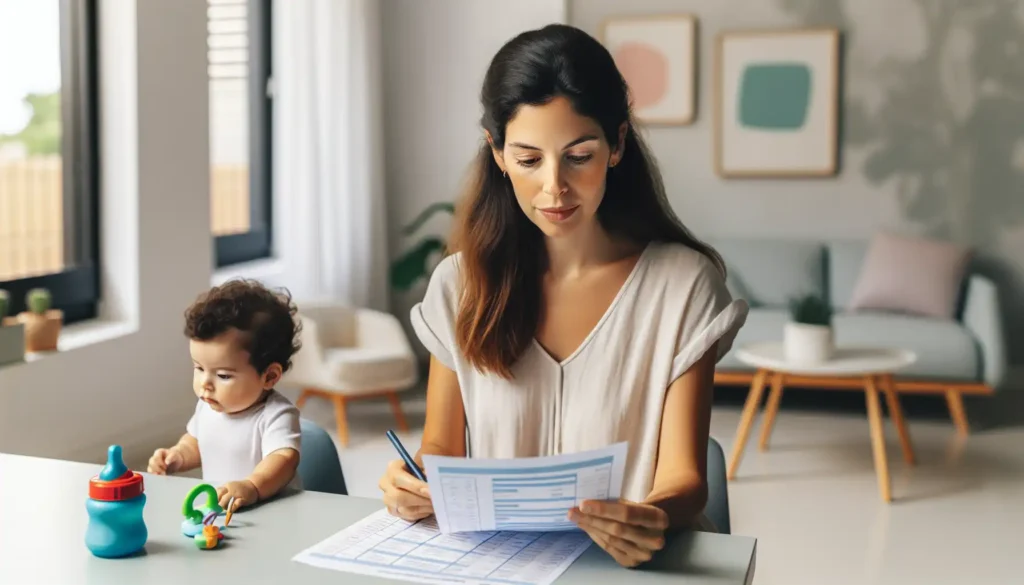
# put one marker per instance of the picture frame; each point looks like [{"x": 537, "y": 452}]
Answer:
[
  {"x": 657, "y": 55},
  {"x": 777, "y": 103}
]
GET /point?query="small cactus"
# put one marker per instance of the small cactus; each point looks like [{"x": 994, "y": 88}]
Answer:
[
  {"x": 39, "y": 301},
  {"x": 5, "y": 302}
]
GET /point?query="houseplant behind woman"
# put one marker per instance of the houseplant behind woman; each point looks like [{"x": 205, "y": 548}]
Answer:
[{"x": 575, "y": 310}]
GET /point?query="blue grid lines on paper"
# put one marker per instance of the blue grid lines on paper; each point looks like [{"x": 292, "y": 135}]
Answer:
[
  {"x": 447, "y": 570},
  {"x": 536, "y": 497}
]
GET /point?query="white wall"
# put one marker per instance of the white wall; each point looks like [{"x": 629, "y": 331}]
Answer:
[
  {"x": 134, "y": 389},
  {"x": 435, "y": 57}
]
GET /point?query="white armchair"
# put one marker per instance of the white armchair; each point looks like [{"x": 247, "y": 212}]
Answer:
[{"x": 348, "y": 354}]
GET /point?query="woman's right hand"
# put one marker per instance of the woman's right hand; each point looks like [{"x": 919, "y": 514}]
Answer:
[{"x": 404, "y": 495}]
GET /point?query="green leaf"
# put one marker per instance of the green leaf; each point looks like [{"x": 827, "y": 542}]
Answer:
[
  {"x": 408, "y": 268},
  {"x": 426, "y": 214},
  {"x": 810, "y": 309}
]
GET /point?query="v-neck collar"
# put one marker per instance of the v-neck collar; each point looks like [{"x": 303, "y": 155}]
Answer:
[{"x": 607, "y": 314}]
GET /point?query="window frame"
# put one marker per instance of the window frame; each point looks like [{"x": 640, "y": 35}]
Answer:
[
  {"x": 257, "y": 243},
  {"x": 76, "y": 289}
]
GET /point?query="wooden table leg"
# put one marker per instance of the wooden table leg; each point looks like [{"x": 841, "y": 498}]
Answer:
[
  {"x": 877, "y": 438},
  {"x": 956, "y": 411},
  {"x": 771, "y": 409},
  {"x": 896, "y": 413},
  {"x": 747, "y": 420}
]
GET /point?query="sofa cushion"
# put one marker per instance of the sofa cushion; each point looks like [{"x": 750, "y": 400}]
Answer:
[
  {"x": 945, "y": 350},
  {"x": 911, "y": 275},
  {"x": 845, "y": 257},
  {"x": 762, "y": 325},
  {"x": 368, "y": 367},
  {"x": 770, "y": 271}
]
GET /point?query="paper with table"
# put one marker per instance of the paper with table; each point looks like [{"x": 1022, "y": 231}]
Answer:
[
  {"x": 528, "y": 494},
  {"x": 385, "y": 546},
  {"x": 509, "y": 518}
]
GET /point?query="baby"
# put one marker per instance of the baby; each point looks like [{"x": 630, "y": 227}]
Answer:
[{"x": 244, "y": 434}]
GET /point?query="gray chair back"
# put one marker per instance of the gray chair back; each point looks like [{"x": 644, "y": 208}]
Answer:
[
  {"x": 319, "y": 465},
  {"x": 717, "y": 508}
]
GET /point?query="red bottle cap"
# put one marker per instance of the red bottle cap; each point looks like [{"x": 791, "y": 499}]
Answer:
[{"x": 126, "y": 487}]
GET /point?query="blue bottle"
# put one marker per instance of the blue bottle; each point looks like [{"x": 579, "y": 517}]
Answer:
[{"x": 115, "y": 504}]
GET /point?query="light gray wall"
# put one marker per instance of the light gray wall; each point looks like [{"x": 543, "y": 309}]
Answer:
[
  {"x": 126, "y": 378},
  {"x": 933, "y": 94},
  {"x": 435, "y": 56}
]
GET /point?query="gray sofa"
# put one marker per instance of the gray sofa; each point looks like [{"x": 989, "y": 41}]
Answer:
[{"x": 961, "y": 355}]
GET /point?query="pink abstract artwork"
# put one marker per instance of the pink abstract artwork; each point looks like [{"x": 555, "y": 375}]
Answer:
[
  {"x": 646, "y": 71},
  {"x": 656, "y": 57}
]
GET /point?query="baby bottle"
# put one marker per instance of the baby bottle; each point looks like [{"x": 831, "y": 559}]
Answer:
[{"x": 116, "y": 499}]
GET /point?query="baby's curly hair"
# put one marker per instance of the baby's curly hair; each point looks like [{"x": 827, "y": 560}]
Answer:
[{"x": 270, "y": 332}]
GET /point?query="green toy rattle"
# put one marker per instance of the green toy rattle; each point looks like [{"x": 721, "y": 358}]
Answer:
[{"x": 195, "y": 519}]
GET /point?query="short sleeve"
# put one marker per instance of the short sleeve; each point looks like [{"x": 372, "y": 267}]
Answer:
[
  {"x": 281, "y": 428},
  {"x": 192, "y": 426},
  {"x": 711, "y": 315},
  {"x": 433, "y": 318}
]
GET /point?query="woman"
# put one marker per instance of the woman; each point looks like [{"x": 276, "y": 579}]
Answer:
[{"x": 575, "y": 311}]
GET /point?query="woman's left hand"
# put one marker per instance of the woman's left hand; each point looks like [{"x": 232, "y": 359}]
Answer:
[{"x": 628, "y": 531}]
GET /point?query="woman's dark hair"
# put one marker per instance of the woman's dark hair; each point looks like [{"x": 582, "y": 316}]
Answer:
[
  {"x": 502, "y": 251},
  {"x": 265, "y": 319}
]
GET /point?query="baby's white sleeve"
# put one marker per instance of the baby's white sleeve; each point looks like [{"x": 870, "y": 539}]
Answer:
[{"x": 281, "y": 428}]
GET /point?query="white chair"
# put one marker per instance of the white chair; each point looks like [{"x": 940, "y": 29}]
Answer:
[{"x": 351, "y": 354}]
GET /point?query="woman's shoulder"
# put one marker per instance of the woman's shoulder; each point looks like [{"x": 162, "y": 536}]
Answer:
[
  {"x": 443, "y": 284},
  {"x": 446, "y": 273},
  {"x": 681, "y": 264}
]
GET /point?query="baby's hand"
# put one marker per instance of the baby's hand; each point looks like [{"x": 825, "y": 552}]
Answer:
[
  {"x": 243, "y": 491},
  {"x": 164, "y": 461}
]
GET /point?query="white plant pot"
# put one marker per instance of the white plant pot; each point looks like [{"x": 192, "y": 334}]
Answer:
[
  {"x": 808, "y": 344},
  {"x": 12, "y": 344}
]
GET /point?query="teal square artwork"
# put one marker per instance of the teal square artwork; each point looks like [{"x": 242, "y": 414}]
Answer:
[{"x": 775, "y": 96}]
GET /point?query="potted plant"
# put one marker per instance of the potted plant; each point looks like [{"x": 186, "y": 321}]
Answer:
[
  {"x": 413, "y": 265},
  {"x": 42, "y": 322},
  {"x": 12, "y": 333},
  {"x": 808, "y": 336}
]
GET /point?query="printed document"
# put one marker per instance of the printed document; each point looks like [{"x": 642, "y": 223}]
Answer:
[
  {"x": 382, "y": 545},
  {"x": 523, "y": 495}
]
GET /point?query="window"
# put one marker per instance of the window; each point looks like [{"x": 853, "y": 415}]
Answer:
[
  {"x": 48, "y": 153},
  {"x": 240, "y": 101}
]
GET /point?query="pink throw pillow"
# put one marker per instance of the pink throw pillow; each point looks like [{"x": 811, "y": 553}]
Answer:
[{"x": 911, "y": 275}]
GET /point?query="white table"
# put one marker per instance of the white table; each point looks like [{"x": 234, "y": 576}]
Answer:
[
  {"x": 869, "y": 369},
  {"x": 43, "y": 521}
]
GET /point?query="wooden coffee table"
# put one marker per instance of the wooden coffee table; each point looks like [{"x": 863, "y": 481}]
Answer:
[{"x": 872, "y": 366}]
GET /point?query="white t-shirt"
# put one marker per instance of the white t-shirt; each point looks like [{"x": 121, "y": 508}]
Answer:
[
  {"x": 232, "y": 445},
  {"x": 670, "y": 311}
]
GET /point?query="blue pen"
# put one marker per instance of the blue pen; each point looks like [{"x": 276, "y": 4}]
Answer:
[{"x": 413, "y": 468}]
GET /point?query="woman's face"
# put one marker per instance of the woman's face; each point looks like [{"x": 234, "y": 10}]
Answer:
[{"x": 557, "y": 161}]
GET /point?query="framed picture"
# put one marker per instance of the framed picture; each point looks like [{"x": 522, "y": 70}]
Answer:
[
  {"x": 777, "y": 101},
  {"x": 657, "y": 55}
]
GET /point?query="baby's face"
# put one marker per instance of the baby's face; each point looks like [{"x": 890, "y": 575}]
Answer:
[{"x": 222, "y": 375}]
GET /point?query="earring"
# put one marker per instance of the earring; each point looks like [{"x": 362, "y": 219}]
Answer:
[{"x": 504, "y": 174}]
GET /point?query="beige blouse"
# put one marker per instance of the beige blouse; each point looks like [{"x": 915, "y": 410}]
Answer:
[{"x": 673, "y": 306}]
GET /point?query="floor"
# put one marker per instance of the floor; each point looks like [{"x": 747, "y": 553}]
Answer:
[{"x": 812, "y": 499}]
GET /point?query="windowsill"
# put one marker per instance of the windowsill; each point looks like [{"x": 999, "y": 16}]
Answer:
[
  {"x": 79, "y": 335},
  {"x": 257, "y": 269},
  {"x": 92, "y": 332}
]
